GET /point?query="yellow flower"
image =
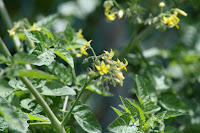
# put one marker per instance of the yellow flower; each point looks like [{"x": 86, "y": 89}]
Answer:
[
  {"x": 103, "y": 69},
  {"x": 83, "y": 50},
  {"x": 34, "y": 28},
  {"x": 120, "y": 14},
  {"x": 172, "y": 20},
  {"x": 107, "y": 5},
  {"x": 109, "y": 16},
  {"x": 12, "y": 31},
  {"x": 80, "y": 33},
  {"x": 87, "y": 44},
  {"x": 181, "y": 12},
  {"x": 110, "y": 55},
  {"x": 162, "y": 4},
  {"x": 120, "y": 75},
  {"x": 121, "y": 64}
]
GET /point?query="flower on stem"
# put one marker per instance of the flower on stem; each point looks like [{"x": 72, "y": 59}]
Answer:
[
  {"x": 120, "y": 14},
  {"x": 120, "y": 75},
  {"x": 181, "y": 12},
  {"x": 162, "y": 4},
  {"x": 79, "y": 34},
  {"x": 34, "y": 28},
  {"x": 103, "y": 69},
  {"x": 84, "y": 48},
  {"x": 172, "y": 20},
  {"x": 109, "y": 16},
  {"x": 12, "y": 31},
  {"x": 110, "y": 55},
  {"x": 121, "y": 65}
]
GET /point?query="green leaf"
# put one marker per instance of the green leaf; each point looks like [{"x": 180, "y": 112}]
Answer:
[
  {"x": 171, "y": 102},
  {"x": 55, "y": 88},
  {"x": 69, "y": 129},
  {"x": 38, "y": 117},
  {"x": 25, "y": 58},
  {"x": 17, "y": 120},
  {"x": 142, "y": 92},
  {"x": 64, "y": 54},
  {"x": 69, "y": 33},
  {"x": 47, "y": 21},
  {"x": 122, "y": 125},
  {"x": 39, "y": 37},
  {"x": 35, "y": 74},
  {"x": 3, "y": 59},
  {"x": 173, "y": 114},
  {"x": 46, "y": 58},
  {"x": 3, "y": 124},
  {"x": 5, "y": 89},
  {"x": 17, "y": 84},
  {"x": 119, "y": 112},
  {"x": 149, "y": 109},
  {"x": 27, "y": 104},
  {"x": 129, "y": 109},
  {"x": 95, "y": 89},
  {"x": 86, "y": 119},
  {"x": 62, "y": 72},
  {"x": 137, "y": 106}
]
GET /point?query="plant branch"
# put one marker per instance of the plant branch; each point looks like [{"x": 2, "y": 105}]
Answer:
[
  {"x": 71, "y": 109},
  {"x": 135, "y": 39},
  {"x": 55, "y": 122},
  {"x": 40, "y": 124},
  {"x": 9, "y": 25}
]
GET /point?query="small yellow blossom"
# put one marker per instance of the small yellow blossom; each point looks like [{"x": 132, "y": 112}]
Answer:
[
  {"x": 80, "y": 33},
  {"x": 110, "y": 55},
  {"x": 103, "y": 69},
  {"x": 107, "y": 5},
  {"x": 120, "y": 75},
  {"x": 172, "y": 20},
  {"x": 12, "y": 31},
  {"x": 120, "y": 14},
  {"x": 84, "y": 48},
  {"x": 109, "y": 16},
  {"x": 121, "y": 64},
  {"x": 87, "y": 44},
  {"x": 162, "y": 4},
  {"x": 34, "y": 28},
  {"x": 181, "y": 12}
]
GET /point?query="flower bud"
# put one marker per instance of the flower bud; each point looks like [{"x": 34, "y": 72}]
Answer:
[
  {"x": 120, "y": 14},
  {"x": 182, "y": 12},
  {"x": 120, "y": 75},
  {"x": 162, "y": 4}
]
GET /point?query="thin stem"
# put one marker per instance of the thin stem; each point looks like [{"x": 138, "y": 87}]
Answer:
[
  {"x": 142, "y": 56},
  {"x": 71, "y": 109},
  {"x": 9, "y": 25},
  {"x": 40, "y": 124},
  {"x": 115, "y": 2},
  {"x": 55, "y": 122},
  {"x": 4, "y": 48},
  {"x": 134, "y": 40}
]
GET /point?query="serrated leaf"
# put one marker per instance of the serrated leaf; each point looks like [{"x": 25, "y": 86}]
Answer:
[
  {"x": 46, "y": 58},
  {"x": 27, "y": 104},
  {"x": 3, "y": 124},
  {"x": 119, "y": 112},
  {"x": 35, "y": 74},
  {"x": 38, "y": 117},
  {"x": 122, "y": 125},
  {"x": 149, "y": 109},
  {"x": 17, "y": 120},
  {"x": 64, "y": 54},
  {"x": 55, "y": 88},
  {"x": 5, "y": 89},
  {"x": 69, "y": 33},
  {"x": 25, "y": 58},
  {"x": 95, "y": 89},
  {"x": 62, "y": 72},
  {"x": 171, "y": 102},
  {"x": 137, "y": 106},
  {"x": 86, "y": 119},
  {"x": 17, "y": 84},
  {"x": 142, "y": 92},
  {"x": 173, "y": 114},
  {"x": 47, "y": 20}
]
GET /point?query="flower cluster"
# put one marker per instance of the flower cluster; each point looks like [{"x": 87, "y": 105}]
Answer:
[
  {"x": 171, "y": 19},
  {"x": 111, "y": 15},
  {"x": 112, "y": 68},
  {"x": 83, "y": 49}
]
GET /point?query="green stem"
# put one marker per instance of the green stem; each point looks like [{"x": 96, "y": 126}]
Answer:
[
  {"x": 142, "y": 56},
  {"x": 40, "y": 124},
  {"x": 135, "y": 39},
  {"x": 117, "y": 5},
  {"x": 55, "y": 122},
  {"x": 9, "y": 25},
  {"x": 71, "y": 109}
]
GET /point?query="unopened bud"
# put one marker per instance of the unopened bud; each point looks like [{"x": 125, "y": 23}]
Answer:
[
  {"x": 120, "y": 14},
  {"x": 120, "y": 75},
  {"x": 162, "y": 4},
  {"x": 182, "y": 12}
]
